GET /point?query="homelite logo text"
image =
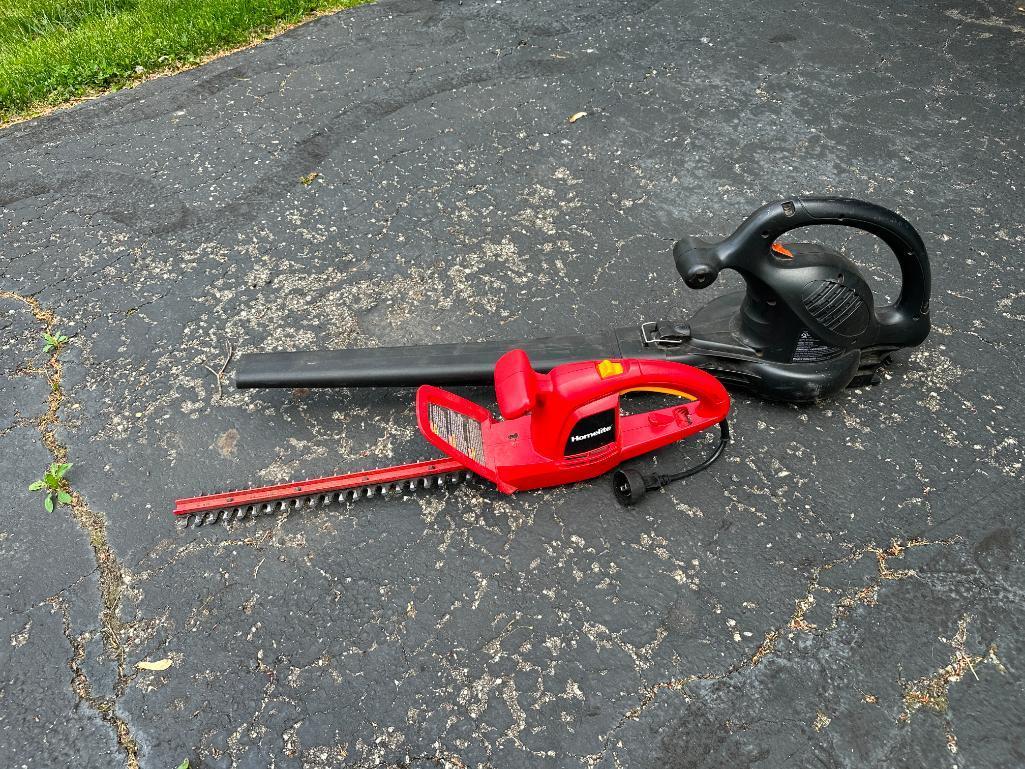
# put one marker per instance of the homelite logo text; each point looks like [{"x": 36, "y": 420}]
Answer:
[
  {"x": 591, "y": 432},
  {"x": 585, "y": 436}
]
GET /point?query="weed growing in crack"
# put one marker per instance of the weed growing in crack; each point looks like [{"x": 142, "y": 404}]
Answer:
[
  {"x": 54, "y": 485},
  {"x": 54, "y": 341},
  {"x": 112, "y": 579}
]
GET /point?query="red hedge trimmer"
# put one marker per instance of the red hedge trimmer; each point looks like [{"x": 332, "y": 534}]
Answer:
[{"x": 564, "y": 426}]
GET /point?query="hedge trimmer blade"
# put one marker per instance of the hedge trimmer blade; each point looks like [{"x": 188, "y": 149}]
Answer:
[
  {"x": 561, "y": 427},
  {"x": 319, "y": 492}
]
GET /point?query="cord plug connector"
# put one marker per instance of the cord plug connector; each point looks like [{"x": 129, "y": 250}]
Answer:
[{"x": 631, "y": 485}]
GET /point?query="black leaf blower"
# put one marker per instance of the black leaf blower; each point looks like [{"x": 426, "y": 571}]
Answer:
[{"x": 804, "y": 328}]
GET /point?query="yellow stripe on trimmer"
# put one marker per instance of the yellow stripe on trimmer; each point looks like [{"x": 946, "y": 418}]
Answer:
[{"x": 665, "y": 390}]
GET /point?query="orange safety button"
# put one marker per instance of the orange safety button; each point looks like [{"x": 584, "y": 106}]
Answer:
[{"x": 607, "y": 368}]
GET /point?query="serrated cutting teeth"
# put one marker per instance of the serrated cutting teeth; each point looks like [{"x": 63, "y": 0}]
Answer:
[{"x": 232, "y": 506}]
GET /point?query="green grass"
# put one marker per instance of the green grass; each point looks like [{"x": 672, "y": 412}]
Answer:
[{"x": 55, "y": 50}]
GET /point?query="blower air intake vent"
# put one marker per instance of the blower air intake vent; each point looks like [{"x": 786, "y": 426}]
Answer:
[{"x": 839, "y": 308}]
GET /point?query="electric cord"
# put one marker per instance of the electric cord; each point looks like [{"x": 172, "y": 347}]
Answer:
[{"x": 631, "y": 485}]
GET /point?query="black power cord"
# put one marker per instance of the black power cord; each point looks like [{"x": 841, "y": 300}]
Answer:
[{"x": 631, "y": 485}]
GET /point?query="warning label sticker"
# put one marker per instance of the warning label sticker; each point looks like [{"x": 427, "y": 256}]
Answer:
[
  {"x": 459, "y": 431},
  {"x": 810, "y": 350}
]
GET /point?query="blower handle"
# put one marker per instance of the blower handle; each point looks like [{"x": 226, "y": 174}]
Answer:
[{"x": 700, "y": 262}]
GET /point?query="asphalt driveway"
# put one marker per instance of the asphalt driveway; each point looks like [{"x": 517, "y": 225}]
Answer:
[{"x": 845, "y": 589}]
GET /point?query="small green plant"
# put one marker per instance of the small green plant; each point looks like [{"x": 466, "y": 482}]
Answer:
[
  {"x": 53, "y": 485},
  {"x": 310, "y": 178},
  {"x": 184, "y": 764},
  {"x": 53, "y": 341}
]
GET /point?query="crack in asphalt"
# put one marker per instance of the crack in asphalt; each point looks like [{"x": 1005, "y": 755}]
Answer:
[
  {"x": 111, "y": 574},
  {"x": 931, "y": 691},
  {"x": 796, "y": 623}
]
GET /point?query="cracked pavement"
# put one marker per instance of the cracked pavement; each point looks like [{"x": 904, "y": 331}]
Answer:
[{"x": 845, "y": 589}]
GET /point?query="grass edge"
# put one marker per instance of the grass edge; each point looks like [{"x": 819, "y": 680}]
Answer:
[{"x": 41, "y": 109}]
